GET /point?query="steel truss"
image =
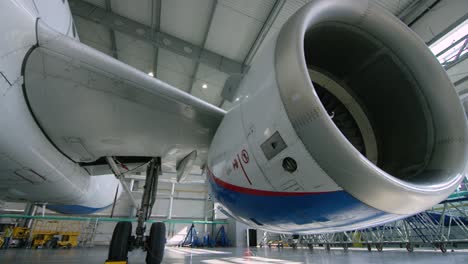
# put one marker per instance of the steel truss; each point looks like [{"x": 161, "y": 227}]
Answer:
[{"x": 443, "y": 226}]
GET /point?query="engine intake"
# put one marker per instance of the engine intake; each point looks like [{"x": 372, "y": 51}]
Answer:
[{"x": 387, "y": 124}]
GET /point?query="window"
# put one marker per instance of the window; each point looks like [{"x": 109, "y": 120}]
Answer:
[{"x": 453, "y": 46}]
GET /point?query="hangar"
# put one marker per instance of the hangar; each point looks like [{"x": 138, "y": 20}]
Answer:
[{"x": 233, "y": 131}]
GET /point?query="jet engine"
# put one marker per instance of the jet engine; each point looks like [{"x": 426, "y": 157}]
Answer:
[{"x": 344, "y": 104}]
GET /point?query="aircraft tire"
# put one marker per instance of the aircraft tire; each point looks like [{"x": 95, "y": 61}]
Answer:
[
  {"x": 156, "y": 243},
  {"x": 118, "y": 249}
]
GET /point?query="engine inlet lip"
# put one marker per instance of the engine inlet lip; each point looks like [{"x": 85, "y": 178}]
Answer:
[{"x": 337, "y": 157}]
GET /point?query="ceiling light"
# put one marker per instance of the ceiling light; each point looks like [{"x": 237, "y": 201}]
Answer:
[
  {"x": 204, "y": 86},
  {"x": 237, "y": 99},
  {"x": 151, "y": 74}
]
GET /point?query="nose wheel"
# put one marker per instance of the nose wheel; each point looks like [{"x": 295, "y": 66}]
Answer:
[{"x": 122, "y": 240}]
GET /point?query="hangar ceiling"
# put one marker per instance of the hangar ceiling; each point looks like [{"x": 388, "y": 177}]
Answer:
[{"x": 192, "y": 45}]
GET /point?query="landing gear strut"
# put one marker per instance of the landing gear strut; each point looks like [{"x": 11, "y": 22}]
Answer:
[{"x": 122, "y": 240}]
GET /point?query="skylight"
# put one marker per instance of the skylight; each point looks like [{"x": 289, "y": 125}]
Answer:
[{"x": 453, "y": 45}]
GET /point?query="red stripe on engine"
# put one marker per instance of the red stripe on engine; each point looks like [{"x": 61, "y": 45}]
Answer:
[
  {"x": 243, "y": 170},
  {"x": 244, "y": 190}
]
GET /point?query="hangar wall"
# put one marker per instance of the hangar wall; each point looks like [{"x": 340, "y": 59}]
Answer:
[{"x": 189, "y": 202}]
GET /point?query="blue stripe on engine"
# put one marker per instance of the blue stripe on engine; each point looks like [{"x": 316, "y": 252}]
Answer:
[{"x": 306, "y": 211}]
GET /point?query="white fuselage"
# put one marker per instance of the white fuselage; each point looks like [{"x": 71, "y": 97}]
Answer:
[{"x": 31, "y": 167}]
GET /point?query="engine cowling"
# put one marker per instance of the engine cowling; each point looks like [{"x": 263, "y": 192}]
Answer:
[{"x": 346, "y": 118}]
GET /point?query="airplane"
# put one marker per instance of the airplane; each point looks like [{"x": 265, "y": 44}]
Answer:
[{"x": 345, "y": 120}]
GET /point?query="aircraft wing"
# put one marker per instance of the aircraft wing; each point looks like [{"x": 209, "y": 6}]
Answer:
[{"x": 91, "y": 105}]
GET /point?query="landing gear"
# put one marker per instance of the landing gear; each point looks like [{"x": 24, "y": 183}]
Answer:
[{"x": 122, "y": 240}]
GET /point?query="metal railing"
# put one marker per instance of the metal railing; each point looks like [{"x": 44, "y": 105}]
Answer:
[{"x": 445, "y": 225}]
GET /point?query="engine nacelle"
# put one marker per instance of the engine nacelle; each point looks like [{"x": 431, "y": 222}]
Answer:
[{"x": 346, "y": 120}]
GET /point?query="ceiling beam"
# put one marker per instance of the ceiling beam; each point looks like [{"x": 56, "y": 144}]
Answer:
[
  {"x": 416, "y": 10},
  {"x": 155, "y": 25},
  {"x": 112, "y": 33},
  {"x": 232, "y": 83},
  {"x": 461, "y": 81},
  {"x": 274, "y": 12},
  {"x": 205, "y": 37},
  {"x": 115, "y": 53},
  {"x": 220, "y": 105},
  {"x": 159, "y": 39}
]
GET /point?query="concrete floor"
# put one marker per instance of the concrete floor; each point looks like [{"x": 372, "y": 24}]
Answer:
[{"x": 98, "y": 255}]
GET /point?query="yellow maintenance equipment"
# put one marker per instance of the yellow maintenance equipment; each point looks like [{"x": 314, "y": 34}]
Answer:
[
  {"x": 19, "y": 236},
  {"x": 54, "y": 234},
  {"x": 20, "y": 232},
  {"x": 68, "y": 239},
  {"x": 43, "y": 239}
]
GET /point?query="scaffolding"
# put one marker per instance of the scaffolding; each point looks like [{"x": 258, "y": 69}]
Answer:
[
  {"x": 89, "y": 231},
  {"x": 445, "y": 225},
  {"x": 427, "y": 229}
]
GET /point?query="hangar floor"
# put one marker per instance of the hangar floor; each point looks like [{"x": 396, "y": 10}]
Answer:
[{"x": 234, "y": 255}]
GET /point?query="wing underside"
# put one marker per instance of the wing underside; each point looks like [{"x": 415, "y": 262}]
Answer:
[{"x": 90, "y": 105}]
